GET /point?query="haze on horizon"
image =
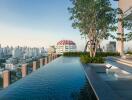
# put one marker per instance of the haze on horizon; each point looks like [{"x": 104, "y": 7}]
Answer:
[{"x": 38, "y": 23}]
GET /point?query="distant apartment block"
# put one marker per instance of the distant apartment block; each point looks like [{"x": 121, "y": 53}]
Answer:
[
  {"x": 111, "y": 46},
  {"x": 65, "y": 46},
  {"x": 13, "y": 57}
]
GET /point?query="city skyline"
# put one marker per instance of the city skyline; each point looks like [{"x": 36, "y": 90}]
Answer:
[
  {"x": 37, "y": 23},
  {"x": 65, "y": 49}
]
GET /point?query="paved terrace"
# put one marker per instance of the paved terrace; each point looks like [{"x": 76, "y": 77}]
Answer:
[
  {"x": 112, "y": 61},
  {"x": 109, "y": 89},
  {"x": 102, "y": 90},
  {"x": 122, "y": 87}
]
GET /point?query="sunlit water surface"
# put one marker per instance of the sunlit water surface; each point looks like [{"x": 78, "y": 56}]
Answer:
[{"x": 62, "y": 79}]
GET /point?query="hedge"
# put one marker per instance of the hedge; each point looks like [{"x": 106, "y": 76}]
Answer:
[
  {"x": 98, "y": 54},
  {"x": 86, "y": 59}
]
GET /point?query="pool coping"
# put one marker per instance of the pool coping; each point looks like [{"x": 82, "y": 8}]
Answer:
[{"x": 102, "y": 90}]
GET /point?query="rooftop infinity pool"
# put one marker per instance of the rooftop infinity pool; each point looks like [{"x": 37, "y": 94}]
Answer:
[{"x": 61, "y": 79}]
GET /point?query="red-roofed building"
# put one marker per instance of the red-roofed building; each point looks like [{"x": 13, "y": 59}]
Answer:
[{"x": 65, "y": 46}]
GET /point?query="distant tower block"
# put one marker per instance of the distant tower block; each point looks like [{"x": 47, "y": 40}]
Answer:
[
  {"x": 41, "y": 62},
  {"x": 6, "y": 78},
  {"x": 34, "y": 65},
  {"x": 24, "y": 70},
  {"x": 45, "y": 60}
]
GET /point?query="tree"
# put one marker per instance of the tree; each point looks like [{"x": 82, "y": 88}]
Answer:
[{"x": 95, "y": 19}]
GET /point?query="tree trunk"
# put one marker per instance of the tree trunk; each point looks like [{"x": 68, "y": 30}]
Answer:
[
  {"x": 86, "y": 46},
  {"x": 94, "y": 53},
  {"x": 91, "y": 54},
  {"x": 100, "y": 49}
]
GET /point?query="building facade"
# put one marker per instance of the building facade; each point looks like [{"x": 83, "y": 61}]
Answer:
[
  {"x": 111, "y": 46},
  {"x": 65, "y": 46},
  {"x": 126, "y": 7}
]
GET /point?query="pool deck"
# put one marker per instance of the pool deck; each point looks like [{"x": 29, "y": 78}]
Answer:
[
  {"x": 108, "y": 89},
  {"x": 121, "y": 66},
  {"x": 100, "y": 88}
]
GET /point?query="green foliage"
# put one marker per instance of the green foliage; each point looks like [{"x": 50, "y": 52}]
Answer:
[
  {"x": 86, "y": 59},
  {"x": 129, "y": 36},
  {"x": 99, "y": 54},
  {"x": 105, "y": 54},
  {"x": 75, "y": 54},
  {"x": 95, "y": 19},
  {"x": 129, "y": 52},
  {"x": 93, "y": 14}
]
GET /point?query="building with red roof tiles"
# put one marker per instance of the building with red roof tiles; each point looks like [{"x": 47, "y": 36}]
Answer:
[{"x": 65, "y": 46}]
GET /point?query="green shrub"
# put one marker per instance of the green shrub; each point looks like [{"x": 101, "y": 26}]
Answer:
[
  {"x": 129, "y": 52},
  {"x": 98, "y": 54},
  {"x": 75, "y": 54},
  {"x": 105, "y": 54},
  {"x": 86, "y": 59}
]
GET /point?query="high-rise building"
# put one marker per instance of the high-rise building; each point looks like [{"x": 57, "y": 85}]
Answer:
[{"x": 17, "y": 52}]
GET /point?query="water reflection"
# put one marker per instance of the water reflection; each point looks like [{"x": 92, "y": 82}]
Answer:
[
  {"x": 86, "y": 93},
  {"x": 61, "y": 79}
]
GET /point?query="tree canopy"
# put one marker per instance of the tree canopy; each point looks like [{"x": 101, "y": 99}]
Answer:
[{"x": 95, "y": 19}]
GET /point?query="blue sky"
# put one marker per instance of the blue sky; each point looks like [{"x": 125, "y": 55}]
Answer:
[
  {"x": 43, "y": 22},
  {"x": 37, "y": 23}
]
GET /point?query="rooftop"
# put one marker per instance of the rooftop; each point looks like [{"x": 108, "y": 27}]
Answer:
[{"x": 66, "y": 42}]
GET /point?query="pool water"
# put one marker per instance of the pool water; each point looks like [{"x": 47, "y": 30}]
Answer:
[{"x": 61, "y": 79}]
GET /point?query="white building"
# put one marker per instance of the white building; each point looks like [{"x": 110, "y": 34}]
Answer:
[
  {"x": 42, "y": 51},
  {"x": 11, "y": 64},
  {"x": 65, "y": 46},
  {"x": 111, "y": 47}
]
